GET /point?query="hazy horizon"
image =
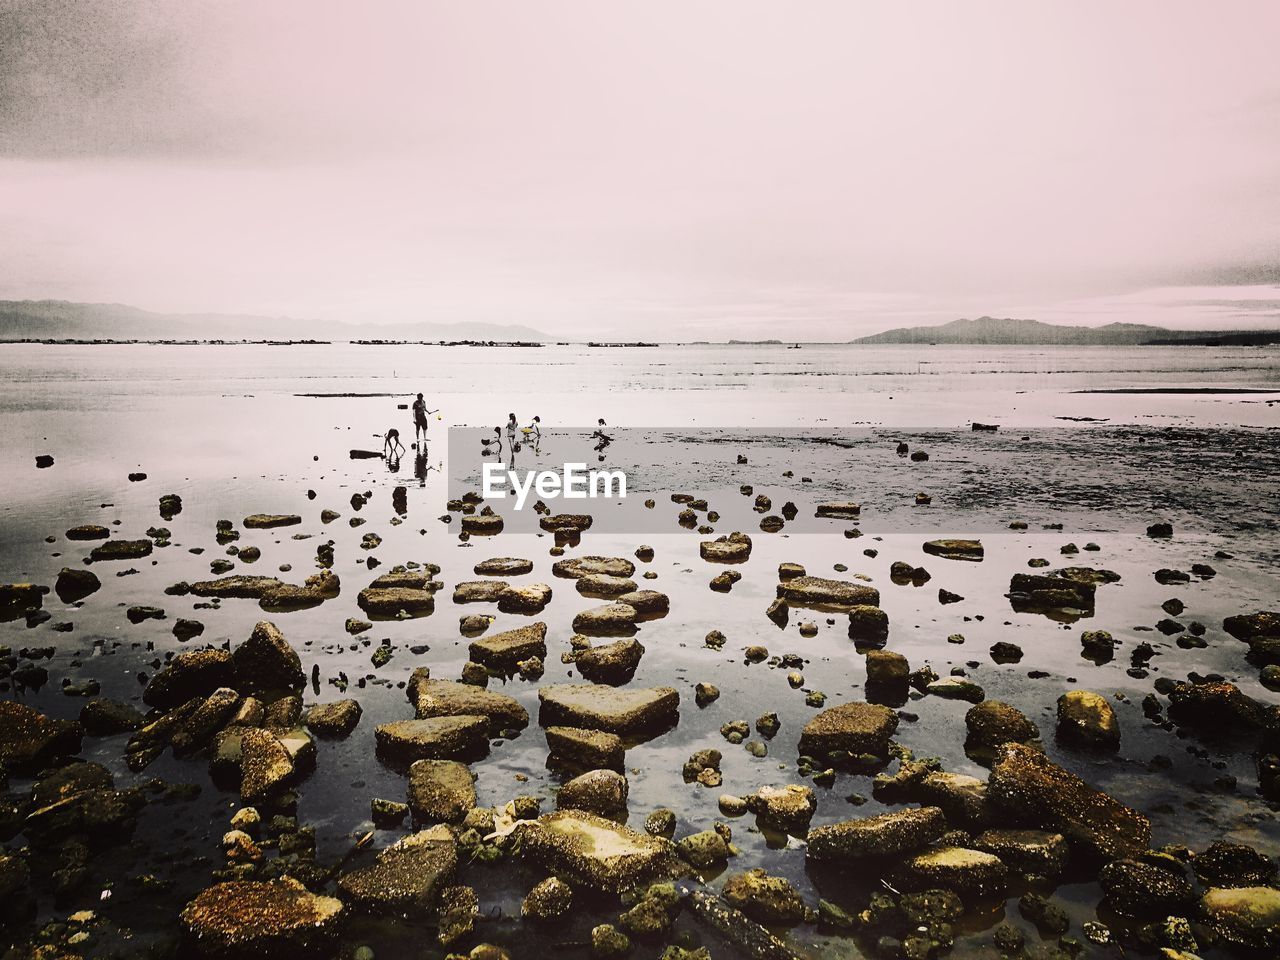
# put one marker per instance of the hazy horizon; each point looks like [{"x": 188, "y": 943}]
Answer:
[{"x": 657, "y": 171}]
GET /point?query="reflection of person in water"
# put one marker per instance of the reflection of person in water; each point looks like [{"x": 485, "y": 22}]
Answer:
[
  {"x": 492, "y": 444},
  {"x": 420, "y": 467}
]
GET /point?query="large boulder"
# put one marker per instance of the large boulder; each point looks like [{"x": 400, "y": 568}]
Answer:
[
  {"x": 1031, "y": 593},
  {"x": 857, "y": 728},
  {"x": 75, "y": 584},
  {"x": 503, "y": 651},
  {"x": 603, "y": 792},
  {"x": 237, "y": 586},
  {"x": 734, "y": 548},
  {"x": 604, "y": 585},
  {"x": 120, "y": 550},
  {"x": 1247, "y": 917},
  {"x": 268, "y": 521},
  {"x": 435, "y": 738},
  {"x": 407, "y": 877},
  {"x": 972, "y": 874},
  {"x": 607, "y": 620},
  {"x": 885, "y": 835},
  {"x": 268, "y": 762},
  {"x": 765, "y": 899},
  {"x": 266, "y": 661},
  {"x": 30, "y": 740},
  {"x": 335, "y": 719},
  {"x": 479, "y": 591},
  {"x": 17, "y": 598},
  {"x": 190, "y": 674},
  {"x": 621, "y": 711},
  {"x": 595, "y": 749},
  {"x": 529, "y": 599},
  {"x": 954, "y": 549},
  {"x": 1028, "y": 788},
  {"x": 993, "y": 723},
  {"x": 449, "y": 698},
  {"x": 611, "y": 663},
  {"x": 440, "y": 791},
  {"x": 261, "y": 918},
  {"x": 503, "y": 567},
  {"x": 1032, "y": 853},
  {"x": 1087, "y": 719},
  {"x": 574, "y": 567},
  {"x": 391, "y": 601},
  {"x": 822, "y": 592},
  {"x": 593, "y": 851}
]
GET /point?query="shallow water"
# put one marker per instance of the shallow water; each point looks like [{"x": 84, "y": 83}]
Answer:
[{"x": 231, "y": 430}]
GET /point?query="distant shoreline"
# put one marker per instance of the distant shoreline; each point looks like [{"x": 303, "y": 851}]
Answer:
[{"x": 1262, "y": 339}]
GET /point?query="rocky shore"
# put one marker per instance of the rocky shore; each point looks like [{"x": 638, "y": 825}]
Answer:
[{"x": 583, "y": 765}]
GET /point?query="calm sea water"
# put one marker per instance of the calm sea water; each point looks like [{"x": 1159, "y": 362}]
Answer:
[{"x": 242, "y": 429}]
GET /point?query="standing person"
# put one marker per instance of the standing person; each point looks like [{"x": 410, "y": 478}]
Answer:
[
  {"x": 511, "y": 429},
  {"x": 420, "y": 412}
]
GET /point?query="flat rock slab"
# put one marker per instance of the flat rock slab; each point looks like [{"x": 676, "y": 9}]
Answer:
[
  {"x": 88, "y": 531},
  {"x": 603, "y": 585},
  {"x": 266, "y": 521},
  {"x": 1032, "y": 593},
  {"x": 572, "y": 568},
  {"x": 389, "y": 601},
  {"x": 628, "y": 711},
  {"x": 565, "y": 521},
  {"x": 502, "y": 651},
  {"x": 594, "y": 852},
  {"x": 479, "y": 591},
  {"x": 529, "y": 599},
  {"x": 608, "y": 620},
  {"x": 857, "y": 728},
  {"x": 411, "y": 579},
  {"x": 261, "y": 918},
  {"x": 846, "y": 510},
  {"x": 1028, "y": 788},
  {"x": 821, "y": 592},
  {"x": 406, "y": 877},
  {"x": 433, "y": 738},
  {"x": 954, "y": 549},
  {"x": 120, "y": 550},
  {"x": 594, "y": 749},
  {"x": 449, "y": 698},
  {"x": 886, "y": 835},
  {"x": 440, "y": 791},
  {"x": 482, "y": 524},
  {"x": 236, "y": 586},
  {"x": 973, "y": 874},
  {"x": 503, "y": 567}
]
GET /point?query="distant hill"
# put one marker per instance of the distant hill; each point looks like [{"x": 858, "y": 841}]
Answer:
[
  {"x": 65, "y": 320},
  {"x": 1006, "y": 331}
]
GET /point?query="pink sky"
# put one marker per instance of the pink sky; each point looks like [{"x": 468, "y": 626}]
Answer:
[{"x": 687, "y": 170}]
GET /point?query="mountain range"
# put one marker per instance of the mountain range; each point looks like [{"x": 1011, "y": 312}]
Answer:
[
  {"x": 65, "y": 320},
  {"x": 996, "y": 330}
]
